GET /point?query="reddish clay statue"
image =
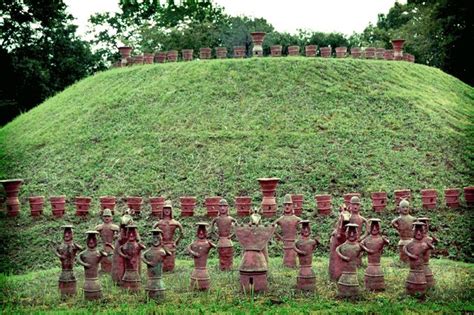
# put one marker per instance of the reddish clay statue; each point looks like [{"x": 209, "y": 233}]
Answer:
[
  {"x": 297, "y": 204},
  {"x": 108, "y": 233},
  {"x": 268, "y": 188},
  {"x": 12, "y": 188},
  {"x": 66, "y": 252},
  {"x": 451, "y": 196},
  {"x": 212, "y": 206},
  {"x": 430, "y": 282},
  {"x": 130, "y": 251},
  {"x": 288, "y": 223},
  {"x": 354, "y": 208},
  {"x": 118, "y": 263},
  {"x": 243, "y": 204},
  {"x": 373, "y": 245},
  {"x": 349, "y": 252},
  {"x": 348, "y": 197},
  {"x": 199, "y": 249},
  {"x": 58, "y": 205},
  {"x": 225, "y": 247},
  {"x": 153, "y": 258},
  {"x": 82, "y": 205},
  {"x": 254, "y": 266},
  {"x": 338, "y": 237},
  {"x": 403, "y": 224},
  {"x": 90, "y": 259},
  {"x": 107, "y": 202},
  {"x": 416, "y": 250},
  {"x": 257, "y": 39},
  {"x": 36, "y": 205},
  {"x": 169, "y": 225},
  {"x": 304, "y": 247}
]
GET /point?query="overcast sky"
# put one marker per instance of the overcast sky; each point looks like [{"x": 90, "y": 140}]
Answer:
[{"x": 345, "y": 16}]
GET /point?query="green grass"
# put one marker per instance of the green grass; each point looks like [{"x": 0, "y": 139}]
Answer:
[{"x": 37, "y": 292}]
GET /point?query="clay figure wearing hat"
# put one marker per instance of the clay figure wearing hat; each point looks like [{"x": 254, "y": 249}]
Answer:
[
  {"x": 66, "y": 252},
  {"x": 199, "y": 249},
  {"x": 305, "y": 247},
  {"x": 403, "y": 225},
  {"x": 356, "y": 218},
  {"x": 131, "y": 251},
  {"x": 153, "y": 258},
  {"x": 430, "y": 281},
  {"x": 108, "y": 233},
  {"x": 225, "y": 224},
  {"x": 338, "y": 237}
]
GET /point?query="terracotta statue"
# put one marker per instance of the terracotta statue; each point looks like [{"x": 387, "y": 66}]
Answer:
[
  {"x": 354, "y": 208},
  {"x": 225, "y": 247},
  {"x": 153, "y": 258},
  {"x": 403, "y": 224},
  {"x": 118, "y": 262},
  {"x": 373, "y": 245},
  {"x": 90, "y": 259},
  {"x": 288, "y": 223},
  {"x": 254, "y": 266},
  {"x": 199, "y": 249},
  {"x": 130, "y": 251},
  {"x": 304, "y": 247},
  {"x": 169, "y": 225},
  {"x": 66, "y": 252},
  {"x": 416, "y": 250},
  {"x": 108, "y": 233},
  {"x": 430, "y": 282},
  {"x": 338, "y": 237},
  {"x": 349, "y": 252}
]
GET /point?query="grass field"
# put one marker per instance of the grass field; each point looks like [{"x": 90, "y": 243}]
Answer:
[{"x": 37, "y": 292}]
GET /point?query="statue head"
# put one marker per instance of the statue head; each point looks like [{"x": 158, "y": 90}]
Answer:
[
  {"x": 92, "y": 239},
  {"x": 255, "y": 217},
  {"x": 132, "y": 232},
  {"x": 374, "y": 226},
  {"x": 404, "y": 207},
  {"x": 288, "y": 204},
  {"x": 107, "y": 216},
  {"x": 157, "y": 235},
  {"x": 202, "y": 230},
  {"x": 355, "y": 204},
  {"x": 68, "y": 233},
  {"x": 426, "y": 221},
  {"x": 223, "y": 207},
  {"x": 305, "y": 228},
  {"x": 418, "y": 230},
  {"x": 351, "y": 232},
  {"x": 168, "y": 210}
]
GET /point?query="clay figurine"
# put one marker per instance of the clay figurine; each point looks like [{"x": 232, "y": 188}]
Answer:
[
  {"x": 90, "y": 259},
  {"x": 66, "y": 252},
  {"x": 403, "y": 224},
  {"x": 349, "y": 252},
  {"x": 225, "y": 247},
  {"x": 288, "y": 223},
  {"x": 108, "y": 233},
  {"x": 199, "y": 249},
  {"x": 153, "y": 258},
  {"x": 416, "y": 250},
  {"x": 338, "y": 237},
  {"x": 169, "y": 225},
  {"x": 430, "y": 281},
  {"x": 373, "y": 245},
  {"x": 254, "y": 266},
  {"x": 130, "y": 251},
  {"x": 118, "y": 262},
  {"x": 304, "y": 247},
  {"x": 354, "y": 208}
]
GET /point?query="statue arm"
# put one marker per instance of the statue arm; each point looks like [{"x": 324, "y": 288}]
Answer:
[
  {"x": 296, "y": 249},
  {"x": 142, "y": 246},
  {"x": 110, "y": 245},
  {"x": 405, "y": 250},
  {"x": 338, "y": 252},
  {"x": 56, "y": 252},
  {"x": 77, "y": 246},
  {"x": 385, "y": 240},
  {"x": 147, "y": 262},
  {"x": 180, "y": 228},
  {"x": 212, "y": 244},
  {"x": 234, "y": 223},
  {"x": 370, "y": 251},
  {"x": 81, "y": 262},
  {"x": 120, "y": 252},
  {"x": 192, "y": 252}
]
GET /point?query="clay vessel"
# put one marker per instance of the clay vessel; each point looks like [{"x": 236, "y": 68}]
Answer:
[
  {"x": 82, "y": 205},
  {"x": 187, "y": 206},
  {"x": 148, "y": 58},
  {"x": 323, "y": 203},
  {"x": 349, "y": 252},
  {"x": 293, "y": 51},
  {"x": 398, "y": 48},
  {"x": 356, "y": 52},
  {"x": 297, "y": 204},
  {"x": 187, "y": 54},
  {"x": 172, "y": 56},
  {"x": 36, "y": 205},
  {"x": 90, "y": 259},
  {"x": 199, "y": 249},
  {"x": 348, "y": 196},
  {"x": 429, "y": 198},
  {"x": 402, "y": 194},
  {"x": 130, "y": 251},
  {"x": 257, "y": 39},
  {"x": 403, "y": 224},
  {"x": 268, "y": 188},
  {"x": 338, "y": 237},
  {"x": 153, "y": 258},
  {"x": 205, "y": 53},
  {"x": 107, "y": 202},
  {"x": 212, "y": 206},
  {"x": 221, "y": 52},
  {"x": 108, "y": 232},
  {"x": 160, "y": 57},
  {"x": 379, "y": 201},
  {"x": 468, "y": 196},
  {"x": 243, "y": 204},
  {"x": 325, "y": 52},
  {"x": 341, "y": 52},
  {"x": 66, "y": 252},
  {"x": 169, "y": 226},
  {"x": 134, "y": 204},
  {"x": 379, "y": 53},
  {"x": 58, "y": 205},
  {"x": 12, "y": 188},
  {"x": 225, "y": 247},
  {"x": 124, "y": 55},
  {"x": 305, "y": 247},
  {"x": 239, "y": 51},
  {"x": 275, "y": 50},
  {"x": 156, "y": 204},
  {"x": 369, "y": 53},
  {"x": 311, "y": 50},
  {"x": 138, "y": 60},
  {"x": 388, "y": 54},
  {"x": 451, "y": 197}
]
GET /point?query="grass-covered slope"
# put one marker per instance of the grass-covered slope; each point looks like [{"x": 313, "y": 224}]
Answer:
[{"x": 207, "y": 128}]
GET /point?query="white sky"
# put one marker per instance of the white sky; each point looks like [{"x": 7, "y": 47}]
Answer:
[{"x": 344, "y": 16}]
